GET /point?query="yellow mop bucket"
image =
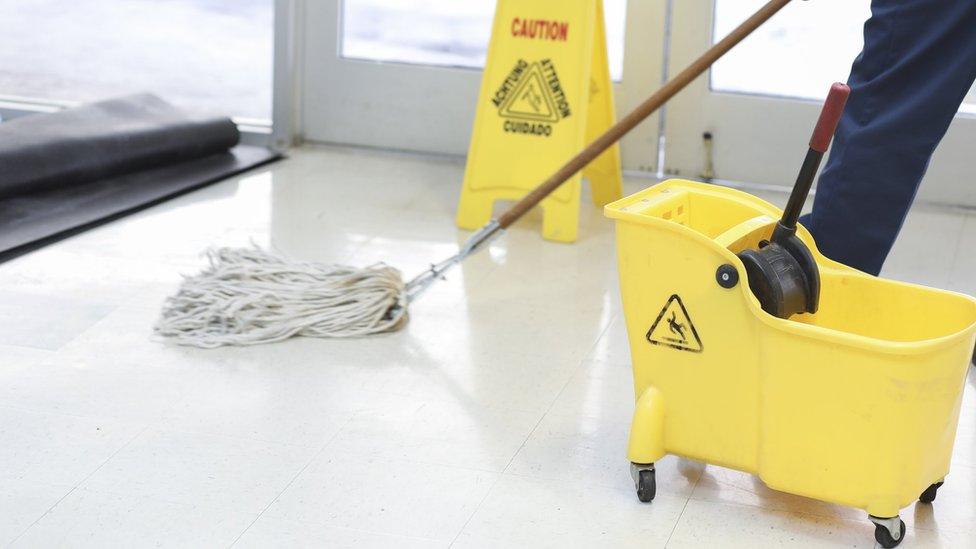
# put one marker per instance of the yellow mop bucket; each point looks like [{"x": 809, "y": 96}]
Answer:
[
  {"x": 753, "y": 351},
  {"x": 856, "y": 404}
]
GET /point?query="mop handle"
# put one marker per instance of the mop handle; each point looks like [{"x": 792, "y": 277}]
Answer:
[
  {"x": 638, "y": 115},
  {"x": 819, "y": 143}
]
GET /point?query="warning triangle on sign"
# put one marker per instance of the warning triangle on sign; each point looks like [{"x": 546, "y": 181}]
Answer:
[
  {"x": 531, "y": 99},
  {"x": 673, "y": 328}
]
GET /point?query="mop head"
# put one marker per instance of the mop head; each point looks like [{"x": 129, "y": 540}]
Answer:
[{"x": 248, "y": 297}]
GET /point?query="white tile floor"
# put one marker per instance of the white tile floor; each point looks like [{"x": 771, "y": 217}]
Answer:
[{"x": 498, "y": 418}]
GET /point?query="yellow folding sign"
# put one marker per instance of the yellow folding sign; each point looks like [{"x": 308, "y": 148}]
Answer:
[{"x": 545, "y": 94}]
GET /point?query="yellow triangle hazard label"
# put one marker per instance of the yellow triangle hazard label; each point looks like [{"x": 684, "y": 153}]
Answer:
[
  {"x": 673, "y": 328},
  {"x": 531, "y": 100}
]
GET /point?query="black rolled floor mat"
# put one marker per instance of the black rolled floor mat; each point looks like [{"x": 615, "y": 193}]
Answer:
[{"x": 65, "y": 172}]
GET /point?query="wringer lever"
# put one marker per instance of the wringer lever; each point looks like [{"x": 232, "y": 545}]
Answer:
[{"x": 783, "y": 274}]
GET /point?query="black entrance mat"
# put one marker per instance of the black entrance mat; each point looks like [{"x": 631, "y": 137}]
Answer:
[
  {"x": 66, "y": 172},
  {"x": 30, "y": 221}
]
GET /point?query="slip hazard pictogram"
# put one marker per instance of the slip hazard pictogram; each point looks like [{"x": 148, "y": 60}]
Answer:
[
  {"x": 531, "y": 99},
  {"x": 673, "y": 328}
]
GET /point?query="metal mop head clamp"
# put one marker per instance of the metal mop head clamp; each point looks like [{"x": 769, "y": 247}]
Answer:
[{"x": 248, "y": 296}]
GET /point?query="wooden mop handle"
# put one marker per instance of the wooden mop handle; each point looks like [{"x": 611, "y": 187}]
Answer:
[{"x": 639, "y": 114}]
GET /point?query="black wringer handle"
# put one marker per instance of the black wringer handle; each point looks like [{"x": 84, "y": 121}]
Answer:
[{"x": 823, "y": 133}]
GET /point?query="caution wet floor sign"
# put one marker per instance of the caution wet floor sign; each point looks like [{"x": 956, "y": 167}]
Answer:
[{"x": 545, "y": 94}]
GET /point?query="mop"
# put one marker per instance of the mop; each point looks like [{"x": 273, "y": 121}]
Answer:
[{"x": 249, "y": 296}]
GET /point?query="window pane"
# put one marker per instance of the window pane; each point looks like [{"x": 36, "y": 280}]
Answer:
[
  {"x": 208, "y": 55},
  {"x": 969, "y": 104},
  {"x": 442, "y": 32},
  {"x": 798, "y": 52}
]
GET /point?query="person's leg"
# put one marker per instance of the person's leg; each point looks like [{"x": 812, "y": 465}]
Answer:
[{"x": 918, "y": 62}]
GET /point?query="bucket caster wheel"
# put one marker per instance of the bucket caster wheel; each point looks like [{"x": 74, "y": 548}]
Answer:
[
  {"x": 643, "y": 475},
  {"x": 888, "y": 532},
  {"x": 928, "y": 496}
]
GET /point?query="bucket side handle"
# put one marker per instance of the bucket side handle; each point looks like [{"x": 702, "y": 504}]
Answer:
[{"x": 646, "y": 444}]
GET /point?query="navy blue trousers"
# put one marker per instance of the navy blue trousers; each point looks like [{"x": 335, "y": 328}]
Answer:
[{"x": 918, "y": 63}]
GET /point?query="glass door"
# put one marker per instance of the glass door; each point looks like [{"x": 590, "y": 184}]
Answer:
[
  {"x": 406, "y": 75},
  {"x": 210, "y": 56},
  {"x": 760, "y": 102}
]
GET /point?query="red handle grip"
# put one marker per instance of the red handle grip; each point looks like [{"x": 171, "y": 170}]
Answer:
[{"x": 829, "y": 117}]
